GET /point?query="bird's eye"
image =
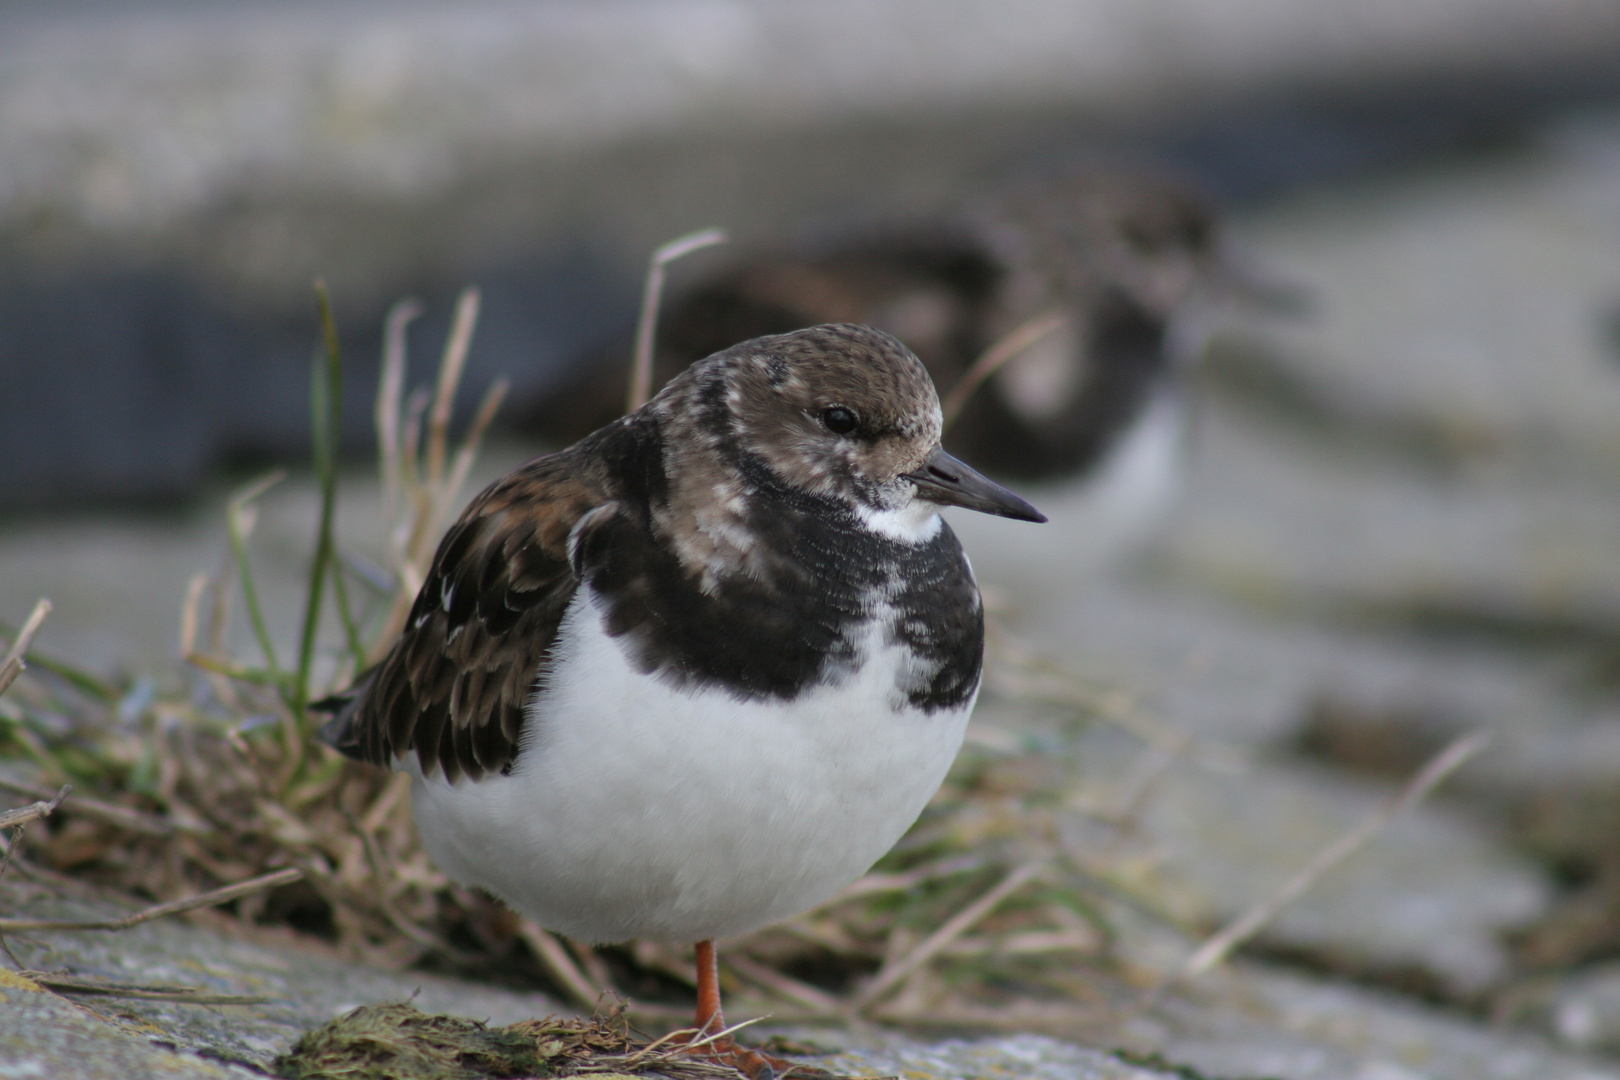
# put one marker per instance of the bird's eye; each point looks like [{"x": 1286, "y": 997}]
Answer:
[{"x": 839, "y": 420}]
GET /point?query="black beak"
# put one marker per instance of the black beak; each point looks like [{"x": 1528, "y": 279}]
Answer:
[{"x": 946, "y": 481}]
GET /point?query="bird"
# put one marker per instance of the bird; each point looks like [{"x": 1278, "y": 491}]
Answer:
[
  {"x": 1128, "y": 267},
  {"x": 1128, "y": 256},
  {"x": 697, "y": 672}
]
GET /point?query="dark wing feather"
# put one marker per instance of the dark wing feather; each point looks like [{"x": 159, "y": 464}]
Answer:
[{"x": 453, "y": 688}]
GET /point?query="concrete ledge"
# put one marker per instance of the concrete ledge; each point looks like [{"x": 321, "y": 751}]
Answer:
[{"x": 131, "y": 120}]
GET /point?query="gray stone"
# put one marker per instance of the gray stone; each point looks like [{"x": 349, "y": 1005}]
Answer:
[
  {"x": 1481, "y": 299},
  {"x": 306, "y": 985},
  {"x": 1274, "y": 1024},
  {"x": 1435, "y": 891},
  {"x": 1242, "y": 1022},
  {"x": 1020, "y": 1057},
  {"x": 1583, "y": 1009},
  {"x": 43, "y": 1035}
]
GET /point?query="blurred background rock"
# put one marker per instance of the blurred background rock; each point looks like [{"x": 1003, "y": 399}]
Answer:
[{"x": 175, "y": 173}]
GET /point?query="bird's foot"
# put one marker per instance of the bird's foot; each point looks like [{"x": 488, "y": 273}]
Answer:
[{"x": 754, "y": 1064}]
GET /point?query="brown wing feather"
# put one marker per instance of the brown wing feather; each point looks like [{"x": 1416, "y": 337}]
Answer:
[{"x": 453, "y": 687}]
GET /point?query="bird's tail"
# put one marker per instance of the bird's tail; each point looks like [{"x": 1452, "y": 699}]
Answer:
[{"x": 344, "y": 706}]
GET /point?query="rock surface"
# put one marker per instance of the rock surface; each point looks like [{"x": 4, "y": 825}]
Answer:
[
  {"x": 300, "y": 984},
  {"x": 41, "y": 1033},
  {"x": 1584, "y": 1010},
  {"x": 1244, "y": 1023}
]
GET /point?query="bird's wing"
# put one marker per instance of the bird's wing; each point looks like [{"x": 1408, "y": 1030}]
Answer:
[{"x": 453, "y": 689}]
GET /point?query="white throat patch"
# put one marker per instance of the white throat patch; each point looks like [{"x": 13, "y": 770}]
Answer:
[{"x": 914, "y": 523}]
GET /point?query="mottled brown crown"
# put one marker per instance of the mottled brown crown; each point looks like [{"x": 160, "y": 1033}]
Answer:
[{"x": 770, "y": 399}]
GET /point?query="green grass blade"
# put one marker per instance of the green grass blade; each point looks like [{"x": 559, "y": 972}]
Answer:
[
  {"x": 326, "y": 464},
  {"x": 92, "y": 686},
  {"x": 351, "y": 625},
  {"x": 325, "y": 389},
  {"x": 236, "y": 523}
]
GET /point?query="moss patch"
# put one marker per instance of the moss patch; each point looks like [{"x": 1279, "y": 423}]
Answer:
[{"x": 400, "y": 1042}]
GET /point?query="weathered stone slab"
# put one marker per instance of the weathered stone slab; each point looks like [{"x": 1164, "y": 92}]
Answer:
[
  {"x": 305, "y": 985},
  {"x": 44, "y": 1035},
  {"x": 1241, "y": 1023}
]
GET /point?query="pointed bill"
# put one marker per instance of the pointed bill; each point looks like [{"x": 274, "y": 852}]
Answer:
[{"x": 946, "y": 481}]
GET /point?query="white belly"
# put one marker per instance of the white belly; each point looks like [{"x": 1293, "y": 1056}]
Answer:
[{"x": 636, "y": 810}]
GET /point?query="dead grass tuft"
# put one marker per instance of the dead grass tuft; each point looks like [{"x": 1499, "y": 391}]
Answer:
[{"x": 398, "y": 1042}]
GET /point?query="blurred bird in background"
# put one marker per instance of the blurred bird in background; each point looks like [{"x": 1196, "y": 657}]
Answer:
[{"x": 1089, "y": 292}]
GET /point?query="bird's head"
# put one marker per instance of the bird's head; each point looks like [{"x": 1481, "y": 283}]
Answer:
[{"x": 842, "y": 412}]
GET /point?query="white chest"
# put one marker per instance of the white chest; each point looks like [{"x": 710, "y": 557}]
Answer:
[{"x": 637, "y": 810}]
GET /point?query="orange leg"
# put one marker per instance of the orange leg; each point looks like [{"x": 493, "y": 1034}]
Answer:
[
  {"x": 709, "y": 1017},
  {"x": 710, "y": 1020}
]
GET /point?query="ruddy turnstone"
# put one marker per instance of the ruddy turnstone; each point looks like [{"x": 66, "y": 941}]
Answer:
[{"x": 697, "y": 672}]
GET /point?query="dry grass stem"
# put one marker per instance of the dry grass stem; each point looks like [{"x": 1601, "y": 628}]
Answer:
[
  {"x": 240, "y": 517},
  {"x": 880, "y": 882},
  {"x": 190, "y": 613},
  {"x": 14, "y": 663},
  {"x": 74, "y": 986},
  {"x": 467, "y": 453},
  {"x": 995, "y": 358},
  {"x": 591, "y": 963},
  {"x": 444, "y": 394},
  {"x": 420, "y": 493},
  {"x": 1024, "y": 675},
  {"x": 1134, "y": 793},
  {"x": 158, "y": 911},
  {"x": 682, "y": 1041},
  {"x": 1221, "y": 944},
  {"x": 551, "y": 953},
  {"x": 390, "y": 393},
  {"x": 641, "y": 359},
  {"x": 113, "y": 814},
  {"x": 412, "y": 412},
  {"x": 891, "y": 974},
  {"x": 782, "y": 985},
  {"x": 16, "y": 819}
]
